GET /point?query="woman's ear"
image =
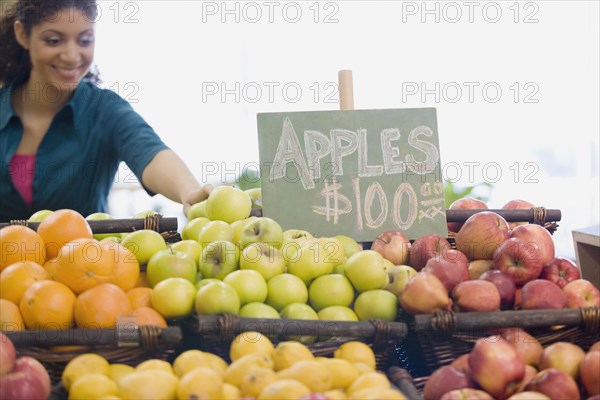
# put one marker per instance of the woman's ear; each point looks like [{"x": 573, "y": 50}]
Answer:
[{"x": 21, "y": 35}]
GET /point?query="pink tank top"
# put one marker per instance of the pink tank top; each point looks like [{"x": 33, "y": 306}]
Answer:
[{"x": 22, "y": 171}]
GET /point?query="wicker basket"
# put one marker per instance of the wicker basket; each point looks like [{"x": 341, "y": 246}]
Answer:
[
  {"x": 128, "y": 345},
  {"x": 442, "y": 337},
  {"x": 215, "y": 334}
]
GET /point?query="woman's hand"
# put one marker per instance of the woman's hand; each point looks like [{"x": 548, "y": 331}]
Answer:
[{"x": 196, "y": 196}]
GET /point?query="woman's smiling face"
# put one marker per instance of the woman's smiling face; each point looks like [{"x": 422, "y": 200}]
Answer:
[{"x": 61, "y": 49}]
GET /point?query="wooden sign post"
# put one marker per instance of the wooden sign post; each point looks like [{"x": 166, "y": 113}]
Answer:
[{"x": 352, "y": 172}]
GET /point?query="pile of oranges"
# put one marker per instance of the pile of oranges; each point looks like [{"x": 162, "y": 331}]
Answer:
[{"x": 60, "y": 277}]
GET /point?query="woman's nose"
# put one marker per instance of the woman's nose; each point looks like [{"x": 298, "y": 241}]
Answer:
[{"x": 70, "y": 53}]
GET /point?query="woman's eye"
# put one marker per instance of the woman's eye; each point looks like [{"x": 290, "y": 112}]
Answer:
[
  {"x": 86, "y": 41},
  {"x": 52, "y": 41}
]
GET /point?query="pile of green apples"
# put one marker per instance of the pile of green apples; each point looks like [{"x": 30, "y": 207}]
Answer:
[{"x": 249, "y": 266}]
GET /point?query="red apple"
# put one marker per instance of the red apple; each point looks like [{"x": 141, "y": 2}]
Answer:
[
  {"x": 560, "y": 271},
  {"x": 481, "y": 235},
  {"x": 555, "y": 384},
  {"x": 461, "y": 363},
  {"x": 505, "y": 285},
  {"x": 455, "y": 256},
  {"x": 530, "y": 373},
  {"x": 393, "y": 246},
  {"x": 589, "y": 372},
  {"x": 496, "y": 366},
  {"x": 466, "y": 203},
  {"x": 443, "y": 380},
  {"x": 529, "y": 396},
  {"x": 477, "y": 295},
  {"x": 540, "y": 294},
  {"x": 8, "y": 354},
  {"x": 529, "y": 348},
  {"x": 595, "y": 346},
  {"x": 425, "y": 247},
  {"x": 563, "y": 356},
  {"x": 424, "y": 294},
  {"x": 449, "y": 273},
  {"x": 467, "y": 393},
  {"x": 581, "y": 293},
  {"x": 28, "y": 380},
  {"x": 539, "y": 238},
  {"x": 519, "y": 260},
  {"x": 517, "y": 204}
]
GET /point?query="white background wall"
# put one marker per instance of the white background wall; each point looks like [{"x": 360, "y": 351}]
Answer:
[{"x": 515, "y": 84}]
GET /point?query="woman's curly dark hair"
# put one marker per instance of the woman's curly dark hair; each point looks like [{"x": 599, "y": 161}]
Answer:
[{"x": 14, "y": 59}]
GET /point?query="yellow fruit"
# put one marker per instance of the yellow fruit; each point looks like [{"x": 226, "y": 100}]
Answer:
[
  {"x": 284, "y": 389},
  {"x": 362, "y": 367},
  {"x": 335, "y": 394},
  {"x": 84, "y": 364},
  {"x": 377, "y": 394},
  {"x": 230, "y": 392},
  {"x": 189, "y": 360},
  {"x": 155, "y": 364},
  {"x": 10, "y": 317},
  {"x": 343, "y": 372},
  {"x": 92, "y": 386},
  {"x": 250, "y": 342},
  {"x": 355, "y": 351},
  {"x": 239, "y": 368},
  {"x": 311, "y": 373},
  {"x": 151, "y": 384},
  {"x": 217, "y": 363},
  {"x": 200, "y": 383},
  {"x": 255, "y": 380},
  {"x": 290, "y": 352},
  {"x": 117, "y": 371},
  {"x": 370, "y": 380}
]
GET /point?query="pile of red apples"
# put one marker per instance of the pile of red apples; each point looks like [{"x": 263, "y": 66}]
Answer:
[
  {"x": 513, "y": 365},
  {"x": 21, "y": 378},
  {"x": 495, "y": 265}
]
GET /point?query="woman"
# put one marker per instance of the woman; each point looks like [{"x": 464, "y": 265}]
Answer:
[{"x": 62, "y": 138}]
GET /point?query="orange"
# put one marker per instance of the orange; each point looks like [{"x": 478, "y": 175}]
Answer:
[
  {"x": 17, "y": 277},
  {"x": 149, "y": 316},
  {"x": 140, "y": 297},
  {"x": 82, "y": 264},
  {"x": 100, "y": 306},
  {"x": 126, "y": 271},
  {"x": 47, "y": 305},
  {"x": 10, "y": 317},
  {"x": 61, "y": 227},
  {"x": 20, "y": 243}
]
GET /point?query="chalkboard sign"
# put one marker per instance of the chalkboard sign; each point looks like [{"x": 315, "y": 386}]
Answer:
[{"x": 353, "y": 172}]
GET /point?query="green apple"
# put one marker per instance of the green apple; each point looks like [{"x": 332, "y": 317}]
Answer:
[
  {"x": 256, "y": 197},
  {"x": 376, "y": 304},
  {"x": 218, "y": 259},
  {"x": 250, "y": 285},
  {"x": 170, "y": 264},
  {"x": 285, "y": 289},
  {"x": 337, "y": 313},
  {"x": 339, "y": 269},
  {"x": 238, "y": 227},
  {"x": 39, "y": 216},
  {"x": 217, "y": 298},
  {"x": 144, "y": 214},
  {"x": 263, "y": 258},
  {"x": 399, "y": 276},
  {"x": 213, "y": 231},
  {"x": 143, "y": 244},
  {"x": 173, "y": 297},
  {"x": 191, "y": 229},
  {"x": 258, "y": 310},
  {"x": 197, "y": 210},
  {"x": 102, "y": 216},
  {"x": 366, "y": 271},
  {"x": 316, "y": 257},
  {"x": 262, "y": 229},
  {"x": 350, "y": 245},
  {"x": 330, "y": 290},
  {"x": 299, "y": 311},
  {"x": 190, "y": 247},
  {"x": 228, "y": 204},
  {"x": 292, "y": 241}
]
